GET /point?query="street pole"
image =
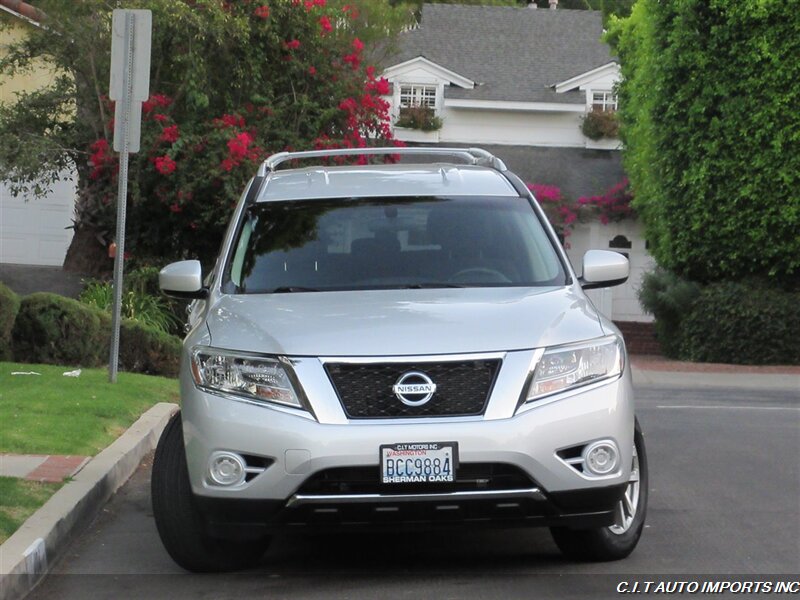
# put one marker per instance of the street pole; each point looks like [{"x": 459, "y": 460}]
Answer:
[
  {"x": 122, "y": 197},
  {"x": 131, "y": 69}
]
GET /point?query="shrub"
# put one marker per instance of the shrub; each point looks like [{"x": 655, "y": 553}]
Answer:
[
  {"x": 743, "y": 323},
  {"x": 148, "y": 350},
  {"x": 599, "y": 124},
  {"x": 669, "y": 299},
  {"x": 9, "y": 306},
  {"x": 52, "y": 329},
  {"x": 144, "y": 280},
  {"x": 419, "y": 117},
  {"x": 148, "y": 307}
]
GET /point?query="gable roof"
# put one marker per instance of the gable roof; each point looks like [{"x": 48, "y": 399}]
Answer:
[
  {"x": 514, "y": 54},
  {"x": 436, "y": 71}
]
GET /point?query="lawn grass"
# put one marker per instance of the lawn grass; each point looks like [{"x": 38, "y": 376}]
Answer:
[
  {"x": 53, "y": 414},
  {"x": 19, "y": 499}
]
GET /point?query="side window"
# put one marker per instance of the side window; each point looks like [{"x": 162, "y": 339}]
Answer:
[
  {"x": 412, "y": 96},
  {"x": 604, "y": 101}
]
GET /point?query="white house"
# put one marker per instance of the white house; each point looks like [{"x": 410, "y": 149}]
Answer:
[
  {"x": 33, "y": 231},
  {"x": 519, "y": 82}
]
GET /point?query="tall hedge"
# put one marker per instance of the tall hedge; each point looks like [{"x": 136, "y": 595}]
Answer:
[
  {"x": 9, "y": 306},
  {"x": 710, "y": 107}
]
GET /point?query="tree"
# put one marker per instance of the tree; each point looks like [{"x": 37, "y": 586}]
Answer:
[
  {"x": 710, "y": 120},
  {"x": 231, "y": 83}
]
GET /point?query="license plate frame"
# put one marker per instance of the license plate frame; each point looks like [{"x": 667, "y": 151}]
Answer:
[{"x": 423, "y": 467}]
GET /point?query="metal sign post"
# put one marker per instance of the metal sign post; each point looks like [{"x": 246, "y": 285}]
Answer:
[{"x": 130, "y": 86}]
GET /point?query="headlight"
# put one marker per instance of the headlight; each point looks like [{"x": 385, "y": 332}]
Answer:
[
  {"x": 256, "y": 378},
  {"x": 565, "y": 367}
]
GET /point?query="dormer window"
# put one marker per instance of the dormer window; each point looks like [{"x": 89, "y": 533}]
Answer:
[
  {"x": 604, "y": 101},
  {"x": 414, "y": 95}
]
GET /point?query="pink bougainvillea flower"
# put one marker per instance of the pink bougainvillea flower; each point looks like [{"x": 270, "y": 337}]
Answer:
[
  {"x": 154, "y": 101},
  {"x": 545, "y": 193},
  {"x": 230, "y": 121},
  {"x": 325, "y": 25},
  {"x": 170, "y": 134},
  {"x": 358, "y": 45},
  {"x": 159, "y": 117},
  {"x": 165, "y": 165},
  {"x": 237, "y": 147},
  {"x": 227, "y": 164},
  {"x": 312, "y": 70},
  {"x": 352, "y": 59},
  {"x": 382, "y": 86},
  {"x": 100, "y": 145},
  {"x": 292, "y": 44},
  {"x": 262, "y": 12}
]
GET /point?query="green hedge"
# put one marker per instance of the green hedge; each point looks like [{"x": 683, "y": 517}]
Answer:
[
  {"x": 709, "y": 108},
  {"x": 52, "y": 329},
  {"x": 9, "y": 306},
  {"x": 669, "y": 299},
  {"x": 729, "y": 322},
  {"x": 742, "y": 323},
  {"x": 144, "y": 349}
]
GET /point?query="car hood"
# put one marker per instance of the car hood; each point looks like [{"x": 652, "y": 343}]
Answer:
[{"x": 402, "y": 322}]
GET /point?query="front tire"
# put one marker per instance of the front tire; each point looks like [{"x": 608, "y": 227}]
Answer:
[
  {"x": 180, "y": 523},
  {"x": 618, "y": 540}
]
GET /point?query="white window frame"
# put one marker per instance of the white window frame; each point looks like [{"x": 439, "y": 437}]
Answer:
[
  {"x": 418, "y": 94},
  {"x": 603, "y": 100}
]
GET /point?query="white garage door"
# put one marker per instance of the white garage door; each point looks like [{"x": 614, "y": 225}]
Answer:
[{"x": 33, "y": 231}]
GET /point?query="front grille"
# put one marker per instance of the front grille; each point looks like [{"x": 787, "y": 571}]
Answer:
[
  {"x": 470, "y": 477},
  {"x": 365, "y": 390}
]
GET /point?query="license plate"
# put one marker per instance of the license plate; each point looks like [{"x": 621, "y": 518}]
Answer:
[{"x": 426, "y": 462}]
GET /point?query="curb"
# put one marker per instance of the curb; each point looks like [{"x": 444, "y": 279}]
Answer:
[{"x": 26, "y": 557}]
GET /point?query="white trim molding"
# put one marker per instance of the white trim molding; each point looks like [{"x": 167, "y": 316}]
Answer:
[
  {"x": 585, "y": 79},
  {"x": 438, "y": 73},
  {"x": 515, "y": 106}
]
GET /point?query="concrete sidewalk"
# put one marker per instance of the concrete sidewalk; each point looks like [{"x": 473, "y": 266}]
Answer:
[
  {"x": 659, "y": 371},
  {"x": 41, "y": 467}
]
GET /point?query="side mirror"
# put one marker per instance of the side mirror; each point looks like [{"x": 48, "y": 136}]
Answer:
[
  {"x": 603, "y": 268},
  {"x": 183, "y": 279}
]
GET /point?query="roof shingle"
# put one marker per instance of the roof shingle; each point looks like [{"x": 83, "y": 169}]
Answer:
[{"x": 515, "y": 54}]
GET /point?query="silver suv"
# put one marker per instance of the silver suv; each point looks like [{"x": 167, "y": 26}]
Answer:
[{"x": 394, "y": 346}]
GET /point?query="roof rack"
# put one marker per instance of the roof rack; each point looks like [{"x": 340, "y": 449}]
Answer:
[{"x": 472, "y": 156}]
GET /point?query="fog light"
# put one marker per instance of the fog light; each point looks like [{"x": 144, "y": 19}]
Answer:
[
  {"x": 601, "y": 458},
  {"x": 226, "y": 468}
]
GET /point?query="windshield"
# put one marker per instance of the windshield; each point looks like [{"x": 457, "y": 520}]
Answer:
[{"x": 355, "y": 244}]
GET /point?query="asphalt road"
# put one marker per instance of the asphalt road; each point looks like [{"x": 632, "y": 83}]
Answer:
[{"x": 724, "y": 499}]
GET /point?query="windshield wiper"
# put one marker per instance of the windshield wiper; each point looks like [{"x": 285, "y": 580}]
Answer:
[{"x": 291, "y": 289}]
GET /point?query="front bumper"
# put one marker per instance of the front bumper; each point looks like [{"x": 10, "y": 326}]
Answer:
[
  {"x": 297, "y": 448},
  {"x": 245, "y": 519}
]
